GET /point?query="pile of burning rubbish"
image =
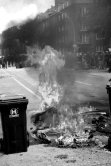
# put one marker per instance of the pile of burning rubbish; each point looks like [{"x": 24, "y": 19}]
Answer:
[
  {"x": 63, "y": 125},
  {"x": 79, "y": 129}
]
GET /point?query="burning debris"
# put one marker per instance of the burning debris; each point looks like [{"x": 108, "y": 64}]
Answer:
[
  {"x": 61, "y": 124},
  {"x": 77, "y": 129}
]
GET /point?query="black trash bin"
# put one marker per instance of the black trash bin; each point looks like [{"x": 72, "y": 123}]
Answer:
[{"x": 13, "y": 117}]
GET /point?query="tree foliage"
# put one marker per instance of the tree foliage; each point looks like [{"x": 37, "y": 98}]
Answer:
[{"x": 15, "y": 40}]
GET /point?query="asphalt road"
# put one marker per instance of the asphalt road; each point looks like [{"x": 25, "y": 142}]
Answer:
[
  {"x": 19, "y": 82},
  {"x": 81, "y": 87}
]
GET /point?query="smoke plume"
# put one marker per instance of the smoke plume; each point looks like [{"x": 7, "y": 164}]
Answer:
[{"x": 20, "y": 10}]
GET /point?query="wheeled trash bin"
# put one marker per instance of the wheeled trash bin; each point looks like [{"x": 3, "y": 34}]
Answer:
[{"x": 13, "y": 117}]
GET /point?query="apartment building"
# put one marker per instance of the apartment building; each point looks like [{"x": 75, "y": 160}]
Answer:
[{"x": 73, "y": 25}]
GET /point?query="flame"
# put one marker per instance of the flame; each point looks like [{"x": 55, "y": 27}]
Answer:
[
  {"x": 71, "y": 123},
  {"x": 49, "y": 88}
]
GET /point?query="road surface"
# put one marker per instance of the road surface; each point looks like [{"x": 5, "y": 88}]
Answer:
[{"x": 81, "y": 87}]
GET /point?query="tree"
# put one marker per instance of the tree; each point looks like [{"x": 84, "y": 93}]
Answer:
[
  {"x": 12, "y": 48},
  {"x": 15, "y": 40}
]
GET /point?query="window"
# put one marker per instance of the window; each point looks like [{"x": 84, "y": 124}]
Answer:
[
  {"x": 84, "y": 11},
  {"x": 99, "y": 48},
  {"x": 84, "y": 27},
  {"x": 85, "y": 38},
  {"x": 59, "y": 17},
  {"x": 62, "y": 29},
  {"x": 63, "y": 5},
  {"x": 67, "y": 3},
  {"x": 65, "y": 15},
  {"x": 62, "y": 15},
  {"x": 100, "y": 36}
]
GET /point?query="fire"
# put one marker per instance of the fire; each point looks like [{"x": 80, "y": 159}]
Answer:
[
  {"x": 72, "y": 124},
  {"x": 74, "y": 127},
  {"x": 50, "y": 62}
]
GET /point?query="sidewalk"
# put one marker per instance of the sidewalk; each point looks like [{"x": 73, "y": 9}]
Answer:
[{"x": 42, "y": 155}]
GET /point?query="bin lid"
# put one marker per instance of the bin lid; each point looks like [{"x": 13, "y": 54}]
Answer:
[{"x": 11, "y": 98}]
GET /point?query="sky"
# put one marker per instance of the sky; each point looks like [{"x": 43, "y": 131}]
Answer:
[{"x": 20, "y": 10}]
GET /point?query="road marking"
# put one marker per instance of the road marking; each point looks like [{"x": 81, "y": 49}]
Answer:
[
  {"x": 83, "y": 83},
  {"x": 24, "y": 86},
  {"x": 92, "y": 75},
  {"x": 97, "y": 75},
  {"x": 29, "y": 90},
  {"x": 13, "y": 75}
]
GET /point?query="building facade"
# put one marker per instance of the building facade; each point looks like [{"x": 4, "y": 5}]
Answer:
[
  {"x": 60, "y": 2},
  {"x": 73, "y": 26}
]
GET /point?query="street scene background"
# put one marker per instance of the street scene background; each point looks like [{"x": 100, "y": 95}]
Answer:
[{"x": 57, "y": 54}]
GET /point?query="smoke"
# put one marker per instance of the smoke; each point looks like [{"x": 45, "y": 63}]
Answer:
[
  {"x": 50, "y": 63},
  {"x": 20, "y": 10}
]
